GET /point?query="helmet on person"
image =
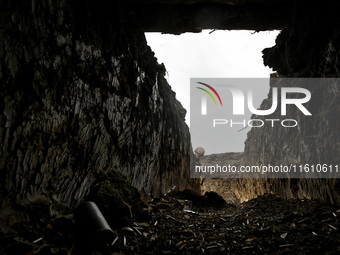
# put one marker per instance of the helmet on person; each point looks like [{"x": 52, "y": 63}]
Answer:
[{"x": 200, "y": 151}]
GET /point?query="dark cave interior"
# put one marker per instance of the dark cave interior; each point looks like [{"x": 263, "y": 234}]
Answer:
[{"x": 87, "y": 115}]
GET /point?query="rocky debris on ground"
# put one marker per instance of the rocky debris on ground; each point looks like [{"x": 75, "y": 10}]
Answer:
[
  {"x": 118, "y": 201},
  {"x": 182, "y": 222}
]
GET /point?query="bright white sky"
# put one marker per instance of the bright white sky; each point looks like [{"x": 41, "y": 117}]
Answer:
[{"x": 221, "y": 54}]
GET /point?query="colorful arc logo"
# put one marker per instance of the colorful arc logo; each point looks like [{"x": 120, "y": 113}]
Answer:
[
  {"x": 213, "y": 90},
  {"x": 204, "y": 99}
]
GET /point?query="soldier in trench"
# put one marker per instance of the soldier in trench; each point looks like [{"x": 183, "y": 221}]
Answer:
[{"x": 199, "y": 153}]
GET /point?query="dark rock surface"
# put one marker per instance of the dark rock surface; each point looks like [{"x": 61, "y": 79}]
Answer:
[
  {"x": 82, "y": 93},
  {"x": 117, "y": 200},
  {"x": 315, "y": 141},
  {"x": 307, "y": 47},
  {"x": 177, "y": 17}
]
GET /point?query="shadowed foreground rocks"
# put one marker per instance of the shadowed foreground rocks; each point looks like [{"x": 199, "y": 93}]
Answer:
[{"x": 187, "y": 223}]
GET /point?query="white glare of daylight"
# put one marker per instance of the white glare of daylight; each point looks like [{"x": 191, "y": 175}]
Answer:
[{"x": 220, "y": 54}]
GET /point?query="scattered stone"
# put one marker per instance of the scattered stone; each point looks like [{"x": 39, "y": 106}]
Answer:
[{"x": 172, "y": 230}]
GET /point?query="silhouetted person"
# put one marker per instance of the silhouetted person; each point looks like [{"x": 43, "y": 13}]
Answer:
[{"x": 199, "y": 153}]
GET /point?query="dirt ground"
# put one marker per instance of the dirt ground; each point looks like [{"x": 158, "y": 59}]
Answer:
[{"x": 187, "y": 223}]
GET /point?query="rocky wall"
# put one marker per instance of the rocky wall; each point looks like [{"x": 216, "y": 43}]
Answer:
[
  {"x": 82, "y": 94},
  {"x": 308, "y": 46}
]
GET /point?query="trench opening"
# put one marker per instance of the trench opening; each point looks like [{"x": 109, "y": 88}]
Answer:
[{"x": 214, "y": 54}]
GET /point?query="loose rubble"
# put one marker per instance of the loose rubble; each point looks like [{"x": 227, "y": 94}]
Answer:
[{"x": 183, "y": 222}]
